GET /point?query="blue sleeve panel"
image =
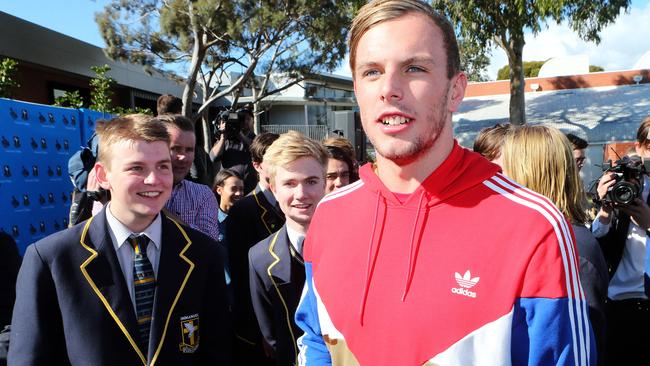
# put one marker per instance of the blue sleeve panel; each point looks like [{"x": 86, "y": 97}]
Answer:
[
  {"x": 313, "y": 350},
  {"x": 552, "y": 332}
]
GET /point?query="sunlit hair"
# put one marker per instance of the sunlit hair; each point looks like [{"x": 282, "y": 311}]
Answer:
[
  {"x": 343, "y": 144},
  {"x": 290, "y": 147},
  {"x": 642, "y": 134},
  {"x": 259, "y": 145},
  {"x": 131, "y": 127},
  {"x": 541, "y": 158},
  {"x": 490, "y": 140},
  {"x": 179, "y": 121},
  {"x": 379, "y": 11}
]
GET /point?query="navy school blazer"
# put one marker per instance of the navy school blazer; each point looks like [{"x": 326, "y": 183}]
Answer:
[
  {"x": 277, "y": 277},
  {"x": 73, "y": 306}
]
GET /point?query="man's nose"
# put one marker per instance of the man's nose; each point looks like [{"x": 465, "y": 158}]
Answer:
[
  {"x": 338, "y": 182},
  {"x": 153, "y": 177},
  {"x": 391, "y": 88}
]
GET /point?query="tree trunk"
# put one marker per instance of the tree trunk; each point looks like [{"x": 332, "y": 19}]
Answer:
[
  {"x": 517, "y": 82},
  {"x": 198, "y": 54},
  {"x": 256, "y": 108}
]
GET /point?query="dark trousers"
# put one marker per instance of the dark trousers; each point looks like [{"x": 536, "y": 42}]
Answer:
[{"x": 628, "y": 332}]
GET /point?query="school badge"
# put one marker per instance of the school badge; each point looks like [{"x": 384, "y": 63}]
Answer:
[{"x": 189, "y": 333}]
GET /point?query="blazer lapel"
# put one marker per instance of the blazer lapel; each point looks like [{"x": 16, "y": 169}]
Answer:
[
  {"x": 174, "y": 268},
  {"x": 269, "y": 216},
  {"x": 280, "y": 266},
  {"x": 104, "y": 275}
]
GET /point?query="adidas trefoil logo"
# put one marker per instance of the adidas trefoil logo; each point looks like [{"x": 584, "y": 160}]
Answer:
[{"x": 465, "y": 282}]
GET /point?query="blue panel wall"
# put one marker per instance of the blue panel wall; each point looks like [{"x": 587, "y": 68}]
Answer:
[{"x": 36, "y": 142}]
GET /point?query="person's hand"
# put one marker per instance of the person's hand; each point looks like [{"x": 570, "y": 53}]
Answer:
[
  {"x": 222, "y": 126},
  {"x": 638, "y": 211},
  {"x": 605, "y": 183}
]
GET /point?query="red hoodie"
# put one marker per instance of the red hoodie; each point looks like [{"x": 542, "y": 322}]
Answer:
[{"x": 470, "y": 268}]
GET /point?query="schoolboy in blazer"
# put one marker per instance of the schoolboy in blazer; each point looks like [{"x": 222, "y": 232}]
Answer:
[
  {"x": 250, "y": 220},
  {"x": 296, "y": 166},
  {"x": 77, "y": 295}
]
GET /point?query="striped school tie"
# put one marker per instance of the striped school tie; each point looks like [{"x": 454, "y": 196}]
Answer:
[{"x": 145, "y": 287}]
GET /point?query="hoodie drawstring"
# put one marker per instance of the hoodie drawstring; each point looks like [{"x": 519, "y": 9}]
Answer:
[
  {"x": 414, "y": 247},
  {"x": 371, "y": 255},
  {"x": 413, "y": 255}
]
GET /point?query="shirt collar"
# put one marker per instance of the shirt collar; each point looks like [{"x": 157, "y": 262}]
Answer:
[
  {"x": 296, "y": 238},
  {"x": 221, "y": 216},
  {"x": 178, "y": 185},
  {"x": 268, "y": 195},
  {"x": 121, "y": 232}
]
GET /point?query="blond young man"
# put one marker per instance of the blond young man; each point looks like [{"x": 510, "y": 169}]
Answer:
[
  {"x": 433, "y": 257},
  {"x": 129, "y": 286},
  {"x": 296, "y": 167}
]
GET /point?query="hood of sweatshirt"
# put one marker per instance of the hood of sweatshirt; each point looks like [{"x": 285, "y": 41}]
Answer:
[{"x": 461, "y": 170}]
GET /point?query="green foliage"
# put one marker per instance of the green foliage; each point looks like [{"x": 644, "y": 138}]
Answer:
[
  {"x": 7, "y": 72},
  {"x": 503, "y": 22},
  {"x": 207, "y": 37},
  {"x": 120, "y": 111},
  {"x": 473, "y": 61},
  {"x": 531, "y": 70},
  {"x": 595, "y": 68},
  {"x": 70, "y": 99},
  {"x": 100, "y": 89}
]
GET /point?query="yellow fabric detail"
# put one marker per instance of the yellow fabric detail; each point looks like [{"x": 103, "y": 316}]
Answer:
[
  {"x": 178, "y": 294},
  {"x": 286, "y": 308},
  {"x": 117, "y": 320}
]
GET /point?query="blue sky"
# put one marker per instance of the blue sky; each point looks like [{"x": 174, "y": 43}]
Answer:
[{"x": 623, "y": 43}]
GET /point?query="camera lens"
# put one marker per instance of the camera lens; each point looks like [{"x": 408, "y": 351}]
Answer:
[{"x": 623, "y": 192}]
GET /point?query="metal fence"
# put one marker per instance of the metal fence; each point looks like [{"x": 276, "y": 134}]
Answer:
[{"x": 314, "y": 132}]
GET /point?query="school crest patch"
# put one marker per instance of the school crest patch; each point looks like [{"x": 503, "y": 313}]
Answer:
[{"x": 189, "y": 333}]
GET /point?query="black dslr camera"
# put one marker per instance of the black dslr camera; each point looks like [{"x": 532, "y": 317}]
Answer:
[
  {"x": 628, "y": 174},
  {"x": 233, "y": 122}
]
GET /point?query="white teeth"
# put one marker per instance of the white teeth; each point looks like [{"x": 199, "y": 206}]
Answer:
[
  {"x": 149, "y": 194},
  {"x": 395, "y": 120}
]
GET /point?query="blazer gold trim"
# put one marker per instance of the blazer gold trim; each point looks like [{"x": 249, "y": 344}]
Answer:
[
  {"x": 284, "y": 304},
  {"x": 99, "y": 294},
  {"x": 180, "y": 290},
  {"x": 110, "y": 309},
  {"x": 264, "y": 212}
]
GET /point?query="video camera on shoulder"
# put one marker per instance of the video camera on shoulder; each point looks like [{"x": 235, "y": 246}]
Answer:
[
  {"x": 628, "y": 174},
  {"x": 233, "y": 122}
]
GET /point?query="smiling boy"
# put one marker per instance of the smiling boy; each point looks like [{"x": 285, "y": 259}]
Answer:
[
  {"x": 129, "y": 286},
  {"x": 296, "y": 166}
]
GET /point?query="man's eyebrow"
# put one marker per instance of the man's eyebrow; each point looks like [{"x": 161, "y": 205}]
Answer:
[
  {"x": 410, "y": 60},
  {"x": 419, "y": 60},
  {"x": 366, "y": 65}
]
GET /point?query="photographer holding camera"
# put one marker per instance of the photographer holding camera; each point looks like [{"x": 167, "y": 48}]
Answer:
[
  {"x": 234, "y": 133},
  {"x": 622, "y": 227}
]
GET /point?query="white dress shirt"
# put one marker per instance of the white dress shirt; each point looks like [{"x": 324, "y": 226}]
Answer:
[
  {"x": 119, "y": 235},
  {"x": 296, "y": 239},
  {"x": 627, "y": 282}
]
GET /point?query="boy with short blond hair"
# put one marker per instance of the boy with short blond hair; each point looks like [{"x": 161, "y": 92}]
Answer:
[
  {"x": 296, "y": 167},
  {"x": 145, "y": 287}
]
